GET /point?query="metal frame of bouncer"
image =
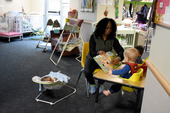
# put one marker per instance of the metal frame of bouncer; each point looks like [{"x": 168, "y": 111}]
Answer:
[
  {"x": 52, "y": 103},
  {"x": 74, "y": 29},
  {"x": 57, "y": 85},
  {"x": 49, "y": 23}
]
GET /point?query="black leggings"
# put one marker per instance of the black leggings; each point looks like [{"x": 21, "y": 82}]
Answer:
[{"x": 90, "y": 66}]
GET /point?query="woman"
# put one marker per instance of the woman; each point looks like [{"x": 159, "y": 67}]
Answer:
[{"x": 102, "y": 40}]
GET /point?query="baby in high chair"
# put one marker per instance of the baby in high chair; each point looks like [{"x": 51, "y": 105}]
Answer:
[{"x": 130, "y": 55}]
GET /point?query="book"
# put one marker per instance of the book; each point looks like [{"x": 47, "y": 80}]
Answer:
[{"x": 104, "y": 60}]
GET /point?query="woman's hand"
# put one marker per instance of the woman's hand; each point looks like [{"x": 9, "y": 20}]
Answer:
[
  {"x": 116, "y": 60},
  {"x": 101, "y": 52}
]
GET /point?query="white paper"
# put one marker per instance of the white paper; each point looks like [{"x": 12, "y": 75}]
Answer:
[
  {"x": 166, "y": 16},
  {"x": 109, "y": 2},
  {"x": 101, "y": 2},
  {"x": 105, "y": 2}
]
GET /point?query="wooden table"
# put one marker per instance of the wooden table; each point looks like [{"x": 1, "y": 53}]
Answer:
[{"x": 114, "y": 79}]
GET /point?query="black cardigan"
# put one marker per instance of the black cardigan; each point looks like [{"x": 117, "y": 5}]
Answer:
[{"x": 116, "y": 45}]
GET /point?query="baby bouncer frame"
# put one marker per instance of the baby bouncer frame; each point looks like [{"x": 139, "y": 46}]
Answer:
[
  {"x": 56, "y": 85},
  {"x": 73, "y": 29},
  {"x": 54, "y": 24}
]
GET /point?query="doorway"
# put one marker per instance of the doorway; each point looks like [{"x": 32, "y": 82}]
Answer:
[{"x": 56, "y": 9}]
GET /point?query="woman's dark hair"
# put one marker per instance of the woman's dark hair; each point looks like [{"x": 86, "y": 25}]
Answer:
[{"x": 101, "y": 26}]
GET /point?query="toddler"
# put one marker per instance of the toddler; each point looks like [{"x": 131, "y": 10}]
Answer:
[
  {"x": 130, "y": 56},
  {"x": 140, "y": 51}
]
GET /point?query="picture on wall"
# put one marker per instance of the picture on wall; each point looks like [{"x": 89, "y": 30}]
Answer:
[{"x": 87, "y": 6}]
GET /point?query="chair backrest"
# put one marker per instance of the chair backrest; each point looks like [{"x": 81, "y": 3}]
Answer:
[
  {"x": 73, "y": 25},
  {"x": 144, "y": 61},
  {"x": 56, "y": 23},
  {"x": 50, "y": 22},
  {"x": 85, "y": 51},
  {"x": 77, "y": 22},
  {"x": 143, "y": 65},
  {"x": 134, "y": 78}
]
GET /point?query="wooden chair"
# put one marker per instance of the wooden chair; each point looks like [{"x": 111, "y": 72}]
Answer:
[
  {"x": 71, "y": 30},
  {"x": 85, "y": 51}
]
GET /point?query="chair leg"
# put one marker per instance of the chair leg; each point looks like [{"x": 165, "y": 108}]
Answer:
[
  {"x": 87, "y": 87},
  {"x": 63, "y": 49},
  {"x": 79, "y": 76},
  {"x": 40, "y": 38},
  {"x": 52, "y": 103},
  {"x": 55, "y": 49},
  {"x": 134, "y": 91},
  {"x": 46, "y": 44},
  {"x": 9, "y": 39},
  {"x": 85, "y": 81}
]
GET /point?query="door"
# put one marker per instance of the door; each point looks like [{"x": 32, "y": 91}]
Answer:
[
  {"x": 65, "y": 8},
  {"x": 56, "y": 9}
]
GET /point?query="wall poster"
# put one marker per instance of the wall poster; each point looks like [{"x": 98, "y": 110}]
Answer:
[
  {"x": 87, "y": 5},
  {"x": 162, "y": 14}
]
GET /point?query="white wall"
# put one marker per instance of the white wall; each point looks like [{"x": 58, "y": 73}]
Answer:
[
  {"x": 74, "y": 4},
  {"x": 160, "y": 51},
  {"x": 86, "y": 29},
  {"x": 14, "y": 5},
  {"x": 36, "y": 6},
  {"x": 155, "y": 99},
  {"x": 97, "y": 15},
  {"x": 111, "y": 10}
]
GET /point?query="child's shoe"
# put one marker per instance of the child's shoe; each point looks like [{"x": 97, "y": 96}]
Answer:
[
  {"x": 101, "y": 88},
  {"x": 92, "y": 88}
]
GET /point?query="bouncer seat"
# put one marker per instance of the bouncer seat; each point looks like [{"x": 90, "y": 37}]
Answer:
[
  {"x": 57, "y": 81},
  {"x": 67, "y": 40}
]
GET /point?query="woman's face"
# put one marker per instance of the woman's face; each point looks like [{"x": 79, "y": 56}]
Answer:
[{"x": 108, "y": 29}]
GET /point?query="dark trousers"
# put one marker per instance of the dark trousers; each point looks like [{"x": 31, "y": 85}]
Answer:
[
  {"x": 90, "y": 66},
  {"x": 115, "y": 88}
]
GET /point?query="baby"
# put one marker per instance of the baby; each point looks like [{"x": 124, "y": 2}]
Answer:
[{"x": 48, "y": 78}]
